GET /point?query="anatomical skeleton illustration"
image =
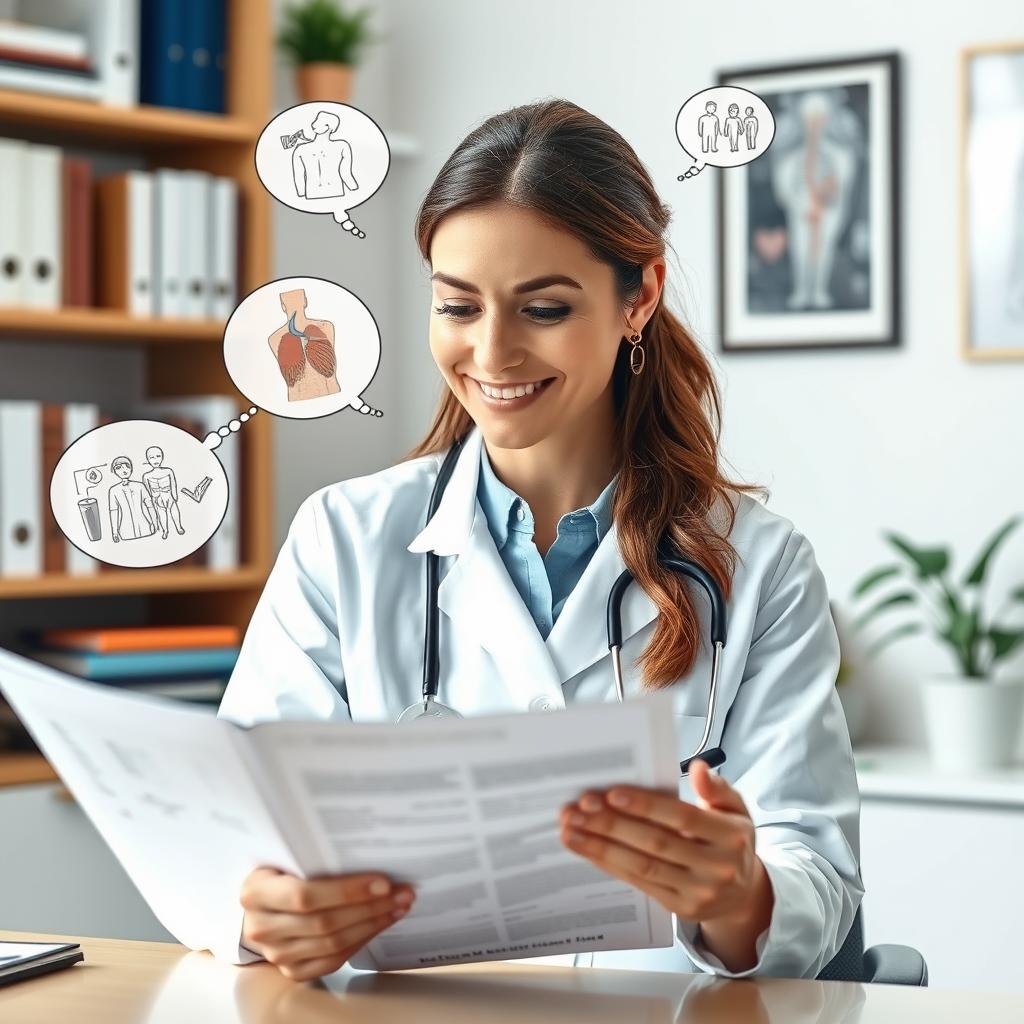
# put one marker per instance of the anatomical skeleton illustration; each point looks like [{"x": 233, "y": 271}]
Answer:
[{"x": 304, "y": 350}]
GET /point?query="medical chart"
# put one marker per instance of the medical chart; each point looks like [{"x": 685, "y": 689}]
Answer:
[{"x": 466, "y": 810}]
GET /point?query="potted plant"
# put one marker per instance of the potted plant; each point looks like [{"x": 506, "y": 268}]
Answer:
[
  {"x": 324, "y": 43},
  {"x": 972, "y": 719}
]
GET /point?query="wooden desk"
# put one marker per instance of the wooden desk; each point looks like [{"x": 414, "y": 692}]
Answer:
[{"x": 163, "y": 983}]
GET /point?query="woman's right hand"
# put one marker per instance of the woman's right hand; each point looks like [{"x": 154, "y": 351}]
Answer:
[{"x": 310, "y": 927}]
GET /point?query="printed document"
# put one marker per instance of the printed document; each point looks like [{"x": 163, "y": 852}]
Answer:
[{"x": 465, "y": 810}]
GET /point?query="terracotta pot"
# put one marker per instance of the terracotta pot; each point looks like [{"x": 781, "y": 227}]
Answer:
[{"x": 323, "y": 80}]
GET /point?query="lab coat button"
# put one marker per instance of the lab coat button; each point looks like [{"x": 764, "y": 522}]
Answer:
[
  {"x": 520, "y": 514},
  {"x": 542, "y": 704}
]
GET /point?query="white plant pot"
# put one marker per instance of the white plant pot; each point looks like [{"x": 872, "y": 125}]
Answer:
[{"x": 972, "y": 723}]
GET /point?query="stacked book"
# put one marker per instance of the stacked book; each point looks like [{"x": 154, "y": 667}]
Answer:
[
  {"x": 188, "y": 663},
  {"x": 33, "y": 437},
  {"x": 150, "y": 243}
]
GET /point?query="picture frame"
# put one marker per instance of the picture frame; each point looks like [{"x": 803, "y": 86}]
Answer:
[
  {"x": 992, "y": 201},
  {"x": 811, "y": 259}
]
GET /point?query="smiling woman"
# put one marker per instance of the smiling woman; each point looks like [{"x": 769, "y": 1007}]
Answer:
[{"x": 580, "y": 430}]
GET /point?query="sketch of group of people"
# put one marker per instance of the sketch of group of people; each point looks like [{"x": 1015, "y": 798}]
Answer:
[
  {"x": 139, "y": 507},
  {"x": 710, "y": 128}
]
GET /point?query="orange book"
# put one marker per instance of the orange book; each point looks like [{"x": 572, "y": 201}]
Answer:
[{"x": 142, "y": 638}]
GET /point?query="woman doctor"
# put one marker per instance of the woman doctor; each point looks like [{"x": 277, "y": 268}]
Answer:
[{"x": 590, "y": 418}]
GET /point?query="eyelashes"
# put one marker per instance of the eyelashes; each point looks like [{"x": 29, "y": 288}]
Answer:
[{"x": 548, "y": 313}]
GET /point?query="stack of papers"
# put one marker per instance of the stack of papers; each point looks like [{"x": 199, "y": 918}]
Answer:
[{"x": 465, "y": 810}]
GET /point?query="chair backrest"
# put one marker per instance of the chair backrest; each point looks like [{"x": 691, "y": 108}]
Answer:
[{"x": 848, "y": 963}]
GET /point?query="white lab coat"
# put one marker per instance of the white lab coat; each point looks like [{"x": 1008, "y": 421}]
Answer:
[{"x": 338, "y": 634}]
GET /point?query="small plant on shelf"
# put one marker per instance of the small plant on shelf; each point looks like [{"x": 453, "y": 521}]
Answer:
[{"x": 324, "y": 43}]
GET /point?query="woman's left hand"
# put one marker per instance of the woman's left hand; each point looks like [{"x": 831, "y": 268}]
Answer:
[{"x": 697, "y": 860}]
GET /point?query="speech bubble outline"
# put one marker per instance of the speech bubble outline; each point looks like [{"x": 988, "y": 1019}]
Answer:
[
  {"x": 132, "y": 438},
  {"x": 261, "y": 381},
  {"x": 366, "y": 162},
  {"x": 689, "y": 138}
]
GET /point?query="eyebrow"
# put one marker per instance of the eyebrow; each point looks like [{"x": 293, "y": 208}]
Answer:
[{"x": 527, "y": 286}]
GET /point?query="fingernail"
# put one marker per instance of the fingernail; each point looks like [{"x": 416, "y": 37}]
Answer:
[
  {"x": 575, "y": 818},
  {"x": 396, "y": 914},
  {"x": 590, "y": 803},
  {"x": 404, "y": 897},
  {"x": 617, "y": 799},
  {"x": 573, "y": 836},
  {"x": 379, "y": 887}
]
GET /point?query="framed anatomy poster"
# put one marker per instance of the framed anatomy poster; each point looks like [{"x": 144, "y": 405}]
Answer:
[
  {"x": 992, "y": 201},
  {"x": 808, "y": 233}
]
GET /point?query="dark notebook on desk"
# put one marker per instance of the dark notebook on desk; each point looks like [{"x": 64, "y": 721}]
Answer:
[{"x": 20, "y": 960}]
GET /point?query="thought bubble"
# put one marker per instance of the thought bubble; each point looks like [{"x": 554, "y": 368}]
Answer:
[
  {"x": 139, "y": 493},
  {"x": 302, "y": 348},
  {"x": 724, "y": 126},
  {"x": 323, "y": 157}
]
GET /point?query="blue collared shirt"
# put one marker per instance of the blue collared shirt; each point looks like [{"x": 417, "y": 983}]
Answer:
[{"x": 543, "y": 581}]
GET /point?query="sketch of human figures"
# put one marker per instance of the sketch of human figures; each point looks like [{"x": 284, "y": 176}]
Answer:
[
  {"x": 813, "y": 167},
  {"x": 733, "y": 127},
  {"x": 708, "y": 128},
  {"x": 130, "y": 505},
  {"x": 162, "y": 485},
  {"x": 322, "y": 165},
  {"x": 750, "y": 127}
]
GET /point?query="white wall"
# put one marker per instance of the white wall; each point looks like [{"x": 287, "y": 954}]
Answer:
[{"x": 912, "y": 439}]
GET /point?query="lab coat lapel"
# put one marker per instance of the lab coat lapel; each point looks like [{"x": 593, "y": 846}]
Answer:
[
  {"x": 477, "y": 593},
  {"x": 580, "y": 634}
]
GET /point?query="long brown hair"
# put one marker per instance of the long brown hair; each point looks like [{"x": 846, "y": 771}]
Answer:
[{"x": 557, "y": 159}]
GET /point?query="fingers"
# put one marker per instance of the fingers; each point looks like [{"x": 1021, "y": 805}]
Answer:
[
  {"x": 697, "y": 857},
  {"x": 312, "y": 958},
  {"x": 270, "y": 889},
  {"x": 703, "y": 823}
]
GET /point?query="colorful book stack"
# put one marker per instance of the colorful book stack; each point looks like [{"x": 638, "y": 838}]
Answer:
[
  {"x": 167, "y": 239},
  {"x": 182, "y": 53},
  {"x": 190, "y": 663},
  {"x": 34, "y": 435}
]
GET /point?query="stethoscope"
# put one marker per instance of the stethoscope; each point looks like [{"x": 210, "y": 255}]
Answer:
[{"x": 430, "y": 707}]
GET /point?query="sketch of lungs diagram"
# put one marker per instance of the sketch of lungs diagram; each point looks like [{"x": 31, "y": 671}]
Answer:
[{"x": 323, "y": 157}]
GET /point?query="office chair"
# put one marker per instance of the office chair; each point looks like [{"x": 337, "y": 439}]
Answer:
[{"x": 885, "y": 965}]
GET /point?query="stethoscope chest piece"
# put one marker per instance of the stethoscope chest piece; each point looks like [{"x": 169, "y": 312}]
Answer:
[{"x": 428, "y": 707}]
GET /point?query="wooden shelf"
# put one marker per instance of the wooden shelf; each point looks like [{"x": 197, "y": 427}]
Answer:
[
  {"x": 20, "y": 769},
  {"x": 131, "y": 581},
  {"x": 105, "y": 325},
  {"x": 125, "y": 126}
]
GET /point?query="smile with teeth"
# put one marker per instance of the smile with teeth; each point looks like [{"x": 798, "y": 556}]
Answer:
[{"x": 513, "y": 391}]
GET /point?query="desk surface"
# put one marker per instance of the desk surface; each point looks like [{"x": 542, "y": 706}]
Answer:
[{"x": 164, "y": 983}]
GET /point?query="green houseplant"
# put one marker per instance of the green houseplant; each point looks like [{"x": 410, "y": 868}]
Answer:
[
  {"x": 324, "y": 43},
  {"x": 972, "y": 720}
]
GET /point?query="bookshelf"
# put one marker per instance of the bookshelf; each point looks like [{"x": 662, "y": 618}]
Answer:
[{"x": 180, "y": 357}]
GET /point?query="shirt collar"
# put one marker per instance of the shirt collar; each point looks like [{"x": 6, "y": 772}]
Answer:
[{"x": 499, "y": 503}]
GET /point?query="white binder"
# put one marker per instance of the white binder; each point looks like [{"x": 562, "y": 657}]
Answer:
[
  {"x": 21, "y": 524},
  {"x": 167, "y": 239},
  {"x": 114, "y": 29},
  {"x": 223, "y": 221},
  {"x": 194, "y": 253},
  {"x": 140, "y": 243},
  {"x": 41, "y": 227},
  {"x": 79, "y": 419},
  {"x": 12, "y": 196}
]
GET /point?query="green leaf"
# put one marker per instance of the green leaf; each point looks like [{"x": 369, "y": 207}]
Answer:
[
  {"x": 927, "y": 561},
  {"x": 963, "y": 629},
  {"x": 904, "y": 597},
  {"x": 977, "y": 574},
  {"x": 875, "y": 577},
  {"x": 319, "y": 31},
  {"x": 900, "y": 631},
  {"x": 1004, "y": 641}
]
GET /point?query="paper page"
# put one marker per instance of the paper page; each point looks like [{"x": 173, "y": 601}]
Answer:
[
  {"x": 467, "y": 811},
  {"x": 166, "y": 787}
]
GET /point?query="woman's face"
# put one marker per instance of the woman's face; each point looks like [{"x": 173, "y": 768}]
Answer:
[{"x": 524, "y": 307}]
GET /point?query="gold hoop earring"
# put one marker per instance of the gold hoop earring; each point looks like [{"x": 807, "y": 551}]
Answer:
[{"x": 637, "y": 357}]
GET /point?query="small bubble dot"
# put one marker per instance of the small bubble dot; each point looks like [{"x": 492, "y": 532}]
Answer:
[
  {"x": 234, "y": 425},
  {"x": 244, "y": 417},
  {"x": 223, "y": 431}
]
